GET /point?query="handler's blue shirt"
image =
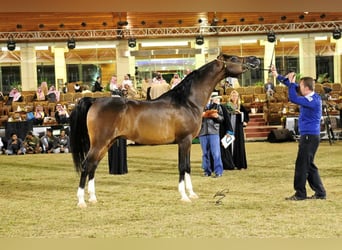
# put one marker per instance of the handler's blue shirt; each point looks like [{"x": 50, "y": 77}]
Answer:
[{"x": 310, "y": 108}]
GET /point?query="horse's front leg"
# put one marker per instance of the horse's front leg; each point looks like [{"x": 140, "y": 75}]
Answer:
[{"x": 184, "y": 171}]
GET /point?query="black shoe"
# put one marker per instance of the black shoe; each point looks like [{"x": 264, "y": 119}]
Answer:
[
  {"x": 206, "y": 175},
  {"x": 317, "y": 197},
  {"x": 294, "y": 198}
]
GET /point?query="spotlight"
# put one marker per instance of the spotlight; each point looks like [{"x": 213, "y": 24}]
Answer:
[
  {"x": 271, "y": 37},
  {"x": 199, "y": 40},
  {"x": 132, "y": 42},
  {"x": 11, "y": 45},
  {"x": 71, "y": 43},
  {"x": 336, "y": 34}
]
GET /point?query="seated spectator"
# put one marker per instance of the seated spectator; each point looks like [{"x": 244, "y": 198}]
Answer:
[
  {"x": 175, "y": 80},
  {"x": 15, "y": 146},
  {"x": 39, "y": 115},
  {"x": 53, "y": 94},
  {"x": 61, "y": 114},
  {"x": 15, "y": 117},
  {"x": 114, "y": 87},
  {"x": 14, "y": 96},
  {"x": 63, "y": 143},
  {"x": 269, "y": 87},
  {"x": 97, "y": 85},
  {"x": 49, "y": 142},
  {"x": 44, "y": 87},
  {"x": 32, "y": 144},
  {"x": 39, "y": 95},
  {"x": 77, "y": 88}
]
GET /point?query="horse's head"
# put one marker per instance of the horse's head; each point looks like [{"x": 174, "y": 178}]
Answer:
[{"x": 235, "y": 65}]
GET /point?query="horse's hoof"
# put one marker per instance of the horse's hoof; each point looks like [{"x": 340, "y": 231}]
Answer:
[
  {"x": 185, "y": 199},
  {"x": 193, "y": 196},
  {"x": 82, "y": 205},
  {"x": 92, "y": 201}
]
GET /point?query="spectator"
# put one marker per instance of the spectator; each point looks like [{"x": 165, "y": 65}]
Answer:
[
  {"x": 39, "y": 95},
  {"x": 175, "y": 80},
  {"x": 49, "y": 142},
  {"x": 61, "y": 114},
  {"x": 114, "y": 87},
  {"x": 53, "y": 94},
  {"x": 239, "y": 118},
  {"x": 97, "y": 85},
  {"x": 39, "y": 115},
  {"x": 269, "y": 87},
  {"x": 63, "y": 143},
  {"x": 15, "y": 146},
  {"x": 77, "y": 88},
  {"x": 32, "y": 144},
  {"x": 14, "y": 96}
]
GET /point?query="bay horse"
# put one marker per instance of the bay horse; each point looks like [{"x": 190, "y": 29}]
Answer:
[{"x": 174, "y": 117}]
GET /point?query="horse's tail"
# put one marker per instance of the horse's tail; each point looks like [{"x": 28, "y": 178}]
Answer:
[{"x": 79, "y": 138}]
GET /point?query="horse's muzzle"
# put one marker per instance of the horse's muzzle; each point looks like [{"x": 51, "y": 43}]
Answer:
[{"x": 252, "y": 62}]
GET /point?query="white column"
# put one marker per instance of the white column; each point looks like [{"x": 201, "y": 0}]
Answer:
[
  {"x": 28, "y": 67},
  {"x": 124, "y": 62},
  {"x": 200, "y": 58},
  {"x": 307, "y": 57},
  {"x": 337, "y": 61},
  {"x": 269, "y": 57},
  {"x": 60, "y": 66}
]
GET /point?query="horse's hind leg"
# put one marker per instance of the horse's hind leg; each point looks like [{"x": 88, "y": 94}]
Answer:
[
  {"x": 80, "y": 191},
  {"x": 91, "y": 187},
  {"x": 89, "y": 170}
]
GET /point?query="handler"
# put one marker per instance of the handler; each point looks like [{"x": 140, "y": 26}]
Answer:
[{"x": 309, "y": 130}]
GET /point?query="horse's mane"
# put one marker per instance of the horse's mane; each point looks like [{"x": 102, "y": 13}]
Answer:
[{"x": 180, "y": 93}]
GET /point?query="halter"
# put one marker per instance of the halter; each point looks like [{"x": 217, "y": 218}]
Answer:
[{"x": 243, "y": 63}]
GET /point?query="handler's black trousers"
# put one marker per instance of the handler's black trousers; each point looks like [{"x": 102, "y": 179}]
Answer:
[{"x": 306, "y": 169}]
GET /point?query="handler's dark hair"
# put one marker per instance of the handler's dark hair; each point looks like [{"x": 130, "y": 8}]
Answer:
[{"x": 308, "y": 82}]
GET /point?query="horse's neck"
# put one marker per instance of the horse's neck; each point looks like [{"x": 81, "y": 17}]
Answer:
[{"x": 202, "y": 90}]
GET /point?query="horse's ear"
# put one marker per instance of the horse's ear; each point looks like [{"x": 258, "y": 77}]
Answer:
[{"x": 220, "y": 56}]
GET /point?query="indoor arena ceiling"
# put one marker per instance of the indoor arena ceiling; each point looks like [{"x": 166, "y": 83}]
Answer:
[{"x": 37, "y": 26}]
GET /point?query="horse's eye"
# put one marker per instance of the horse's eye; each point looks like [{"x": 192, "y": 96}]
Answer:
[{"x": 234, "y": 59}]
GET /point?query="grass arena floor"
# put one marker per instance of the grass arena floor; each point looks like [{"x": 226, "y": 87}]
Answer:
[{"x": 38, "y": 197}]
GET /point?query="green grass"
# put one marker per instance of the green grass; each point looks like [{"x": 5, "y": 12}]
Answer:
[{"x": 38, "y": 197}]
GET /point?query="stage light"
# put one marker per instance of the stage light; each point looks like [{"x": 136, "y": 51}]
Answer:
[
  {"x": 71, "y": 43},
  {"x": 132, "y": 42},
  {"x": 11, "y": 45},
  {"x": 199, "y": 40},
  {"x": 336, "y": 34},
  {"x": 271, "y": 37}
]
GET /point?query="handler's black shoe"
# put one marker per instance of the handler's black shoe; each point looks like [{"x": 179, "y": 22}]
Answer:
[
  {"x": 294, "y": 198},
  {"x": 317, "y": 197}
]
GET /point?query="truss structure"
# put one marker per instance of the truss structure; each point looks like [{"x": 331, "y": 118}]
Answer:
[{"x": 227, "y": 30}]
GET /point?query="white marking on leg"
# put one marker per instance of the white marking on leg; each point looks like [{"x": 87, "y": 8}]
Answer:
[
  {"x": 181, "y": 189},
  {"x": 91, "y": 191},
  {"x": 188, "y": 186},
  {"x": 80, "y": 196}
]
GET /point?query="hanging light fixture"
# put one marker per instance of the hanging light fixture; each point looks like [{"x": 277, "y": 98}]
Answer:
[
  {"x": 132, "y": 42},
  {"x": 336, "y": 34},
  {"x": 71, "y": 43},
  {"x": 271, "y": 37},
  {"x": 199, "y": 40},
  {"x": 11, "y": 44}
]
